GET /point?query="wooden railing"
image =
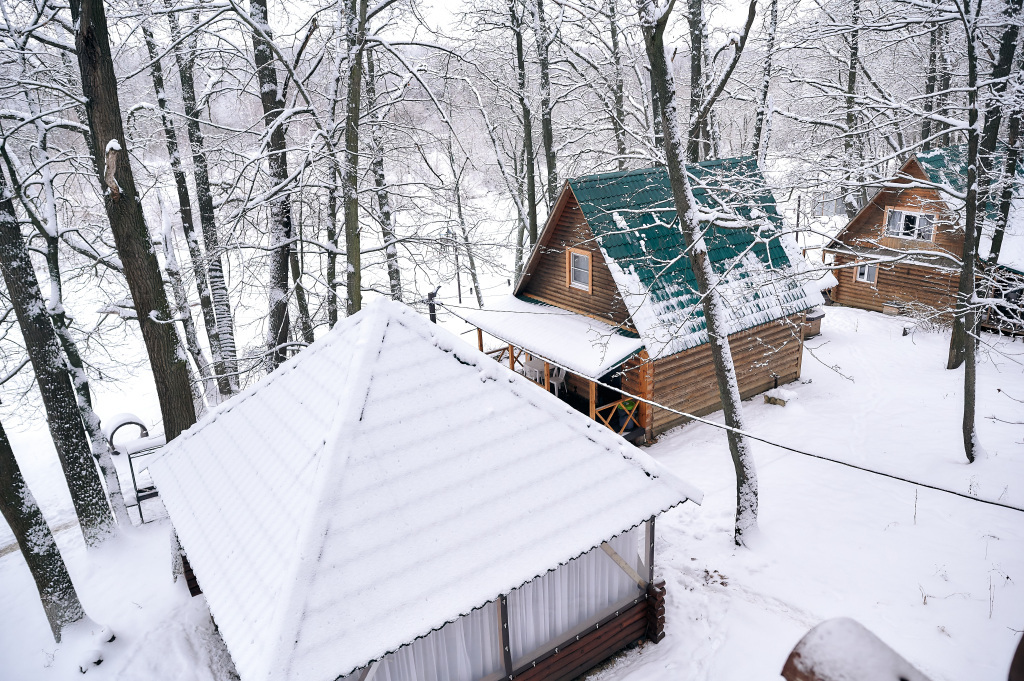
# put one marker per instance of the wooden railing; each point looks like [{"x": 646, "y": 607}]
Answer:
[{"x": 630, "y": 407}]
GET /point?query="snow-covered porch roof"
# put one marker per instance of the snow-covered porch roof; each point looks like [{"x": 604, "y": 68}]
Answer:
[
  {"x": 581, "y": 344},
  {"x": 383, "y": 482}
]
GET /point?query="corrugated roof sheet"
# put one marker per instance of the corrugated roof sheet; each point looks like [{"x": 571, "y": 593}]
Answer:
[
  {"x": 385, "y": 481},
  {"x": 633, "y": 216}
]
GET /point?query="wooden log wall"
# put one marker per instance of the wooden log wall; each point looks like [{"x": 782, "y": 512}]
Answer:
[
  {"x": 546, "y": 278},
  {"x": 592, "y": 649},
  {"x": 897, "y": 284},
  {"x": 190, "y": 577},
  {"x": 686, "y": 380}
]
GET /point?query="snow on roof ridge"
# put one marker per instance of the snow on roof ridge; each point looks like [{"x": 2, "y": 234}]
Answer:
[{"x": 371, "y": 337}]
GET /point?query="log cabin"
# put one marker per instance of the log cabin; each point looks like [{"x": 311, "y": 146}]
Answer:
[
  {"x": 607, "y": 308},
  {"x": 901, "y": 253},
  {"x": 391, "y": 504}
]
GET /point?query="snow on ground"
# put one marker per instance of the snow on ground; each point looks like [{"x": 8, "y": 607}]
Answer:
[{"x": 834, "y": 541}]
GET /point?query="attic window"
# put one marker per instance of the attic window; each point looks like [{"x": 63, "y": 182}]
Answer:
[
  {"x": 907, "y": 225},
  {"x": 578, "y": 269}
]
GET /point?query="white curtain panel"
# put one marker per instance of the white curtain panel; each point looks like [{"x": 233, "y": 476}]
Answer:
[
  {"x": 543, "y": 611},
  {"x": 540, "y": 613},
  {"x": 463, "y": 650}
]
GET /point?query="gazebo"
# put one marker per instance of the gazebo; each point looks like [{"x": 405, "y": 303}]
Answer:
[{"x": 393, "y": 504}]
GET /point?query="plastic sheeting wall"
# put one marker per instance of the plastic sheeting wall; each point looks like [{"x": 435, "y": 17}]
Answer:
[{"x": 540, "y": 614}]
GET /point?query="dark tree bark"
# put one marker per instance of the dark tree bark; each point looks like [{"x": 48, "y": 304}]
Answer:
[
  {"x": 57, "y": 593},
  {"x": 852, "y": 68},
  {"x": 192, "y": 239},
  {"x": 530, "y": 162},
  {"x": 356, "y": 34},
  {"x": 387, "y": 221},
  {"x": 280, "y": 206},
  {"x": 124, "y": 210},
  {"x": 695, "y": 19},
  {"x": 618, "y": 86},
  {"x": 701, "y": 117},
  {"x": 929, "y": 87},
  {"x": 305, "y": 322},
  {"x": 1010, "y": 176},
  {"x": 995, "y": 106},
  {"x": 184, "y": 55},
  {"x": 762, "y": 102},
  {"x": 962, "y": 348},
  {"x": 546, "y": 130},
  {"x": 63, "y": 417},
  {"x": 457, "y": 175},
  {"x": 653, "y": 25}
]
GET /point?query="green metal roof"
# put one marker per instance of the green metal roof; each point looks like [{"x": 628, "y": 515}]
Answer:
[{"x": 632, "y": 214}]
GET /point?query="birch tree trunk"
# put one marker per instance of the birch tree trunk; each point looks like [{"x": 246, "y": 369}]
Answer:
[
  {"x": 124, "y": 210},
  {"x": 184, "y": 55},
  {"x": 387, "y": 221},
  {"x": 192, "y": 239},
  {"x": 63, "y": 417},
  {"x": 653, "y": 22},
  {"x": 278, "y": 324},
  {"x": 19, "y": 508}
]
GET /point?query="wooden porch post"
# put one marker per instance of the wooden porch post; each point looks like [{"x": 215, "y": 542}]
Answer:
[
  {"x": 547, "y": 376},
  {"x": 593, "y": 400},
  {"x": 511, "y": 357},
  {"x": 800, "y": 357},
  {"x": 480, "y": 339}
]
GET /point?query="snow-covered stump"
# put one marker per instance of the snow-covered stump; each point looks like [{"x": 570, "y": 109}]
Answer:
[{"x": 841, "y": 649}]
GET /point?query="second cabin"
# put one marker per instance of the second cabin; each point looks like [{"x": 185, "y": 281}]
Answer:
[
  {"x": 607, "y": 306},
  {"x": 901, "y": 253}
]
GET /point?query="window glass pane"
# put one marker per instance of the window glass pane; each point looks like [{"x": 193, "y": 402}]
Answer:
[
  {"x": 924, "y": 227},
  {"x": 909, "y": 224},
  {"x": 895, "y": 220},
  {"x": 580, "y": 270},
  {"x": 872, "y": 273}
]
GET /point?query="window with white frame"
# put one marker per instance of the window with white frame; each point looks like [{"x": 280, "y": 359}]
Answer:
[
  {"x": 867, "y": 273},
  {"x": 579, "y": 270},
  {"x": 909, "y": 225}
]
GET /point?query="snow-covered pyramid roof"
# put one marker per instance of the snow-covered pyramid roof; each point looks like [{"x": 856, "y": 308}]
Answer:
[{"x": 383, "y": 482}]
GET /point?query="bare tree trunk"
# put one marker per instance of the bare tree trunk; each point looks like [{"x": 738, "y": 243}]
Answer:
[
  {"x": 929, "y": 87},
  {"x": 695, "y": 19},
  {"x": 280, "y": 206},
  {"x": 185, "y": 212},
  {"x": 305, "y": 322},
  {"x": 518, "y": 170},
  {"x": 762, "y": 102},
  {"x": 653, "y": 26},
  {"x": 546, "y": 129},
  {"x": 356, "y": 33},
  {"x": 184, "y": 54},
  {"x": 387, "y": 220},
  {"x": 530, "y": 164},
  {"x": 184, "y": 315},
  {"x": 457, "y": 175},
  {"x": 44, "y": 350},
  {"x": 851, "y": 103},
  {"x": 1009, "y": 175},
  {"x": 19, "y": 507},
  {"x": 962, "y": 348},
  {"x": 48, "y": 228},
  {"x": 618, "y": 87},
  {"x": 124, "y": 210}
]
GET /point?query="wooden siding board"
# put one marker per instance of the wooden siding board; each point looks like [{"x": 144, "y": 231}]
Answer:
[
  {"x": 896, "y": 284},
  {"x": 546, "y": 279},
  {"x": 686, "y": 381}
]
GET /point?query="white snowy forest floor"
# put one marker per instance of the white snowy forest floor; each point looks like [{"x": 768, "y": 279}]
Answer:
[{"x": 946, "y": 589}]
